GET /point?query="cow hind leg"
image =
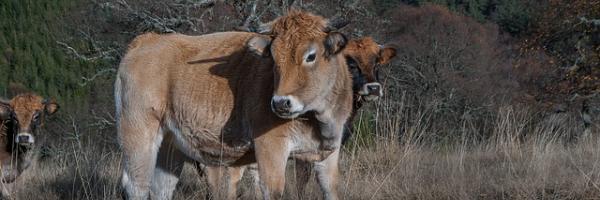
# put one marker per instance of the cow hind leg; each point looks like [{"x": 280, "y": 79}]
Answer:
[
  {"x": 235, "y": 175},
  {"x": 140, "y": 142},
  {"x": 253, "y": 172},
  {"x": 327, "y": 175},
  {"x": 303, "y": 170},
  {"x": 169, "y": 166}
]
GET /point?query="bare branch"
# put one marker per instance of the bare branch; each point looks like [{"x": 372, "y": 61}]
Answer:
[
  {"x": 99, "y": 73},
  {"x": 73, "y": 52}
]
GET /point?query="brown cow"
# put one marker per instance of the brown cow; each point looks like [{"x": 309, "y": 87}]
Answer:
[
  {"x": 27, "y": 113},
  {"x": 8, "y": 131},
  {"x": 363, "y": 57},
  {"x": 221, "y": 101}
]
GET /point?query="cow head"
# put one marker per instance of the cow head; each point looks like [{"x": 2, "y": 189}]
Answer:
[
  {"x": 364, "y": 58},
  {"x": 305, "y": 51},
  {"x": 30, "y": 111}
]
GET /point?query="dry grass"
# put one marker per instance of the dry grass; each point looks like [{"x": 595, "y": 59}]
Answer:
[{"x": 508, "y": 165}]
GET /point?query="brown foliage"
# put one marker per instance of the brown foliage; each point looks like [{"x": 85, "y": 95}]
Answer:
[
  {"x": 451, "y": 64},
  {"x": 568, "y": 34}
]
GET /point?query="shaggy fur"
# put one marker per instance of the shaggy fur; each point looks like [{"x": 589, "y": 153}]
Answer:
[
  {"x": 208, "y": 97},
  {"x": 24, "y": 114},
  {"x": 367, "y": 55}
]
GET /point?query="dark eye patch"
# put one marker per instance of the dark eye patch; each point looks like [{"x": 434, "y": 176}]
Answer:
[
  {"x": 36, "y": 116},
  {"x": 358, "y": 79}
]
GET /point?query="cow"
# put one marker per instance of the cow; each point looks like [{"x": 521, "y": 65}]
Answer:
[
  {"x": 8, "y": 130},
  {"x": 364, "y": 58},
  {"x": 26, "y": 113},
  {"x": 231, "y": 99}
]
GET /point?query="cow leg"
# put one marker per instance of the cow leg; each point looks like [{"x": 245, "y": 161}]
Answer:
[
  {"x": 214, "y": 177},
  {"x": 328, "y": 174},
  {"x": 234, "y": 176},
  {"x": 216, "y": 180},
  {"x": 169, "y": 166},
  {"x": 140, "y": 141},
  {"x": 303, "y": 170},
  {"x": 253, "y": 172},
  {"x": 271, "y": 156}
]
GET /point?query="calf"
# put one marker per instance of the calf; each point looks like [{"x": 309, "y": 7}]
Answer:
[
  {"x": 364, "y": 58},
  {"x": 22, "y": 119},
  {"x": 233, "y": 98}
]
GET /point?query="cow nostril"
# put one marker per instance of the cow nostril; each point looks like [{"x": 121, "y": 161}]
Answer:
[
  {"x": 286, "y": 103},
  {"x": 23, "y": 138},
  {"x": 282, "y": 105}
]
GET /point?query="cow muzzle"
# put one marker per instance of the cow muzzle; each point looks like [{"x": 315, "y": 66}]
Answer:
[
  {"x": 24, "y": 139},
  {"x": 371, "y": 91},
  {"x": 287, "y": 107}
]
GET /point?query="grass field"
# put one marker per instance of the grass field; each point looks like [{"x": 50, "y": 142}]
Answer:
[{"x": 541, "y": 165}]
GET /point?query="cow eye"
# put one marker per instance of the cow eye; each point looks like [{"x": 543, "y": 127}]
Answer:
[
  {"x": 36, "y": 116},
  {"x": 311, "y": 57},
  {"x": 351, "y": 62}
]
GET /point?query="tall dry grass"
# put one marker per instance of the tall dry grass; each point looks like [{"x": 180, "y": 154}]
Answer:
[{"x": 519, "y": 160}]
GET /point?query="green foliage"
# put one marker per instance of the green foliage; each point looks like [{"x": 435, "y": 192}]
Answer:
[
  {"x": 512, "y": 16},
  {"x": 363, "y": 134},
  {"x": 30, "y": 56}
]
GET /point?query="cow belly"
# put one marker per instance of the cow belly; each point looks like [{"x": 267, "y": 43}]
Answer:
[{"x": 207, "y": 145}]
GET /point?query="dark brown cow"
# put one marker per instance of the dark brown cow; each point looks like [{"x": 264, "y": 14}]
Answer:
[
  {"x": 21, "y": 118},
  {"x": 227, "y": 99},
  {"x": 8, "y": 131},
  {"x": 363, "y": 57}
]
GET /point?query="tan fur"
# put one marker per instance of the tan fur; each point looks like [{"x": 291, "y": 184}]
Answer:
[
  {"x": 16, "y": 157},
  {"x": 367, "y": 53},
  {"x": 209, "y": 96}
]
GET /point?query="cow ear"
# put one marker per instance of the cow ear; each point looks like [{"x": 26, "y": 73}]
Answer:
[
  {"x": 260, "y": 45},
  {"x": 334, "y": 43},
  {"x": 5, "y": 111},
  {"x": 386, "y": 54},
  {"x": 50, "y": 106}
]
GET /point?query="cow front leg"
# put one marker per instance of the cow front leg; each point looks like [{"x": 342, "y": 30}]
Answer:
[
  {"x": 328, "y": 175},
  {"x": 169, "y": 166},
  {"x": 140, "y": 142},
  {"x": 271, "y": 156}
]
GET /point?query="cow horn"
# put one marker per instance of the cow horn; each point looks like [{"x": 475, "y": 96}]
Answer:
[{"x": 336, "y": 23}]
